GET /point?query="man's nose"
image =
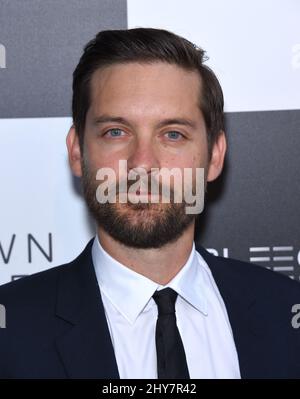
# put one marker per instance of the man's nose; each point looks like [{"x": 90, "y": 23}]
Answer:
[{"x": 143, "y": 154}]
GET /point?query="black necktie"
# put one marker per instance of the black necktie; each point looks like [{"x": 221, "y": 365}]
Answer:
[{"x": 171, "y": 360}]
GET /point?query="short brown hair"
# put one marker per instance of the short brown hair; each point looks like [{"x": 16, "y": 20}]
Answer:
[{"x": 146, "y": 45}]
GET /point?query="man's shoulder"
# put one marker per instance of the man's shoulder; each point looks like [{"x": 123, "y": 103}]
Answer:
[
  {"x": 32, "y": 288},
  {"x": 261, "y": 274},
  {"x": 256, "y": 278},
  {"x": 42, "y": 284}
]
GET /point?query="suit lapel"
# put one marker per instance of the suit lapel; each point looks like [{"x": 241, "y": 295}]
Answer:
[
  {"x": 85, "y": 348},
  {"x": 244, "y": 316}
]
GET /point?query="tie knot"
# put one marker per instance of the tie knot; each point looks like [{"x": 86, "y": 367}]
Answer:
[{"x": 165, "y": 300}]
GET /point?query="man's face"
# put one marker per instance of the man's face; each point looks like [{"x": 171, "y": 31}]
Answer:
[{"x": 148, "y": 115}]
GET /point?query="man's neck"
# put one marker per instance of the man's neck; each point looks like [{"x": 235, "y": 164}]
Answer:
[{"x": 158, "y": 264}]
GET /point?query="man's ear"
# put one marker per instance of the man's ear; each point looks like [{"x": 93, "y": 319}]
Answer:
[
  {"x": 217, "y": 157},
  {"x": 74, "y": 152}
]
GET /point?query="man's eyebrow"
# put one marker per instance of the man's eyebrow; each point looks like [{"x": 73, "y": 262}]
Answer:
[
  {"x": 169, "y": 121},
  {"x": 177, "y": 121},
  {"x": 107, "y": 118}
]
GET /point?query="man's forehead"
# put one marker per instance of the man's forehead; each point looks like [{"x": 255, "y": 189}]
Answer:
[
  {"x": 133, "y": 73},
  {"x": 141, "y": 84}
]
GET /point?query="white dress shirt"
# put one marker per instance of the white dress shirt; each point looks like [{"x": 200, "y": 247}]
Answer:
[{"x": 131, "y": 313}]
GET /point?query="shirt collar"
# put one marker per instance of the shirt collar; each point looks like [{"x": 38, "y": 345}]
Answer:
[{"x": 130, "y": 291}]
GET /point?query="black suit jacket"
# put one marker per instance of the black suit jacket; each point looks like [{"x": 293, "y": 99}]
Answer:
[{"x": 56, "y": 325}]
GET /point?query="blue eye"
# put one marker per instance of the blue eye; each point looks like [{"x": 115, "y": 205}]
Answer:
[
  {"x": 114, "y": 132},
  {"x": 174, "y": 135}
]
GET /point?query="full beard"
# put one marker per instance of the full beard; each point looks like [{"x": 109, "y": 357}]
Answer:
[{"x": 140, "y": 225}]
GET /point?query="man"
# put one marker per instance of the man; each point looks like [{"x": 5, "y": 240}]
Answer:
[{"x": 140, "y": 301}]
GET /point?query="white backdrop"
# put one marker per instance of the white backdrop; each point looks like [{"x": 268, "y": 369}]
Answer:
[
  {"x": 38, "y": 197},
  {"x": 253, "y": 46}
]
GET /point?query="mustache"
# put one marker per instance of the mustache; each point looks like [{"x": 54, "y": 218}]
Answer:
[{"x": 144, "y": 186}]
